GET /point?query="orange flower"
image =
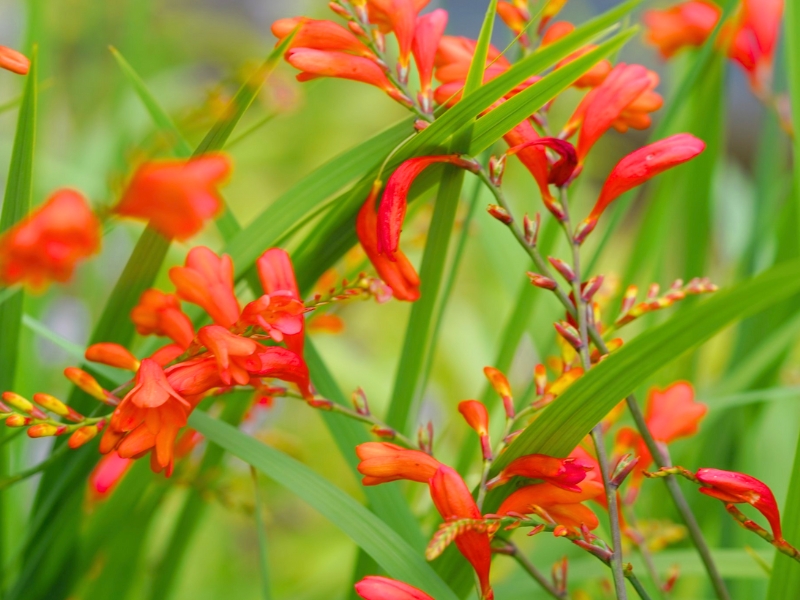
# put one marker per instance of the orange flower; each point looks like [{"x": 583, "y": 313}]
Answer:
[
  {"x": 534, "y": 158},
  {"x": 383, "y": 588},
  {"x": 320, "y": 35},
  {"x": 427, "y": 35},
  {"x": 207, "y": 280},
  {"x": 515, "y": 18},
  {"x": 278, "y": 363},
  {"x": 592, "y": 78},
  {"x": 148, "y": 418},
  {"x": 755, "y": 38},
  {"x": 14, "y": 61},
  {"x": 550, "y": 10},
  {"x": 382, "y": 462},
  {"x": 453, "y": 500},
  {"x": 453, "y": 59},
  {"x": 276, "y": 273},
  {"x": 113, "y": 355},
  {"x": 398, "y": 274},
  {"x": 565, "y": 473},
  {"x": 559, "y": 505},
  {"x": 226, "y": 347},
  {"x": 176, "y": 197},
  {"x": 49, "y": 242},
  {"x": 107, "y": 474},
  {"x": 684, "y": 25},
  {"x": 160, "y": 314},
  {"x": 277, "y": 315},
  {"x": 399, "y": 17},
  {"x": 477, "y": 417}
]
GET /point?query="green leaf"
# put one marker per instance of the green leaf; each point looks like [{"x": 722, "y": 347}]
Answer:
[
  {"x": 389, "y": 550},
  {"x": 263, "y": 549},
  {"x": 477, "y": 67},
  {"x": 571, "y": 417}
]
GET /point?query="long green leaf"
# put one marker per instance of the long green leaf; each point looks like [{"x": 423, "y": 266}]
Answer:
[{"x": 389, "y": 550}]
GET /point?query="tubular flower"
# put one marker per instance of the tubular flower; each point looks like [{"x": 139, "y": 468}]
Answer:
[
  {"x": 427, "y": 35},
  {"x": 453, "y": 59},
  {"x": 276, "y": 273},
  {"x": 534, "y": 158},
  {"x": 226, "y": 347},
  {"x": 277, "y": 315},
  {"x": 113, "y": 355},
  {"x": 207, "y": 280},
  {"x": 176, "y": 197},
  {"x": 638, "y": 167},
  {"x": 107, "y": 474},
  {"x": 278, "y": 363},
  {"x": 320, "y": 35},
  {"x": 160, "y": 314},
  {"x": 502, "y": 388},
  {"x": 560, "y": 172},
  {"x": 551, "y": 9},
  {"x": 453, "y": 500},
  {"x": 737, "y": 488},
  {"x": 399, "y": 17},
  {"x": 623, "y": 100},
  {"x": 49, "y": 242},
  {"x": 556, "y": 504},
  {"x": 383, "y": 588},
  {"x": 477, "y": 417},
  {"x": 148, "y": 418},
  {"x": 755, "y": 38},
  {"x": 398, "y": 274},
  {"x": 515, "y": 18},
  {"x": 393, "y": 206},
  {"x": 687, "y": 24},
  {"x": 382, "y": 462},
  {"x": 321, "y": 63},
  {"x": 14, "y": 61},
  {"x": 565, "y": 473},
  {"x": 596, "y": 75}
]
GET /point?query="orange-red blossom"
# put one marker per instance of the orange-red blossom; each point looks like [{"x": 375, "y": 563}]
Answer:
[
  {"x": 684, "y": 25},
  {"x": 14, "y": 61},
  {"x": 374, "y": 587}
]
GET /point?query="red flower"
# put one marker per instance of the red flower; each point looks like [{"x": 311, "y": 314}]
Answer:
[
  {"x": 193, "y": 378},
  {"x": 382, "y": 462},
  {"x": 49, "y": 242},
  {"x": 565, "y": 473},
  {"x": 673, "y": 413},
  {"x": 278, "y": 315},
  {"x": 427, "y": 35},
  {"x": 594, "y": 76},
  {"x": 392, "y": 211},
  {"x": 14, "y": 61},
  {"x": 226, "y": 347},
  {"x": 638, "y": 167},
  {"x": 398, "y": 274},
  {"x": 559, "y": 505},
  {"x": 176, "y": 197},
  {"x": 755, "y": 38},
  {"x": 515, "y": 18},
  {"x": 559, "y": 172},
  {"x": 453, "y": 500},
  {"x": 383, "y": 588},
  {"x": 160, "y": 314},
  {"x": 320, "y": 35},
  {"x": 477, "y": 417},
  {"x": 550, "y": 10},
  {"x": 737, "y": 488},
  {"x": 107, "y": 474},
  {"x": 276, "y": 273},
  {"x": 399, "y": 17},
  {"x": 453, "y": 59},
  {"x": 278, "y": 363},
  {"x": 683, "y": 25},
  {"x": 207, "y": 280},
  {"x": 533, "y": 157}
]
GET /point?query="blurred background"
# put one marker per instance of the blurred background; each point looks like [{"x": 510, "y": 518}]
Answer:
[{"x": 193, "y": 55}]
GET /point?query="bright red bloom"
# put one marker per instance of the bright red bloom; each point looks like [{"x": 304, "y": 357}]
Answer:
[
  {"x": 382, "y": 462},
  {"x": 50, "y": 241},
  {"x": 429, "y": 31},
  {"x": 638, "y": 167},
  {"x": 561, "y": 506},
  {"x": 226, "y": 347},
  {"x": 623, "y": 100},
  {"x": 398, "y": 274},
  {"x": 477, "y": 417},
  {"x": 276, "y": 273},
  {"x": 453, "y": 500},
  {"x": 207, "y": 280},
  {"x": 148, "y": 418},
  {"x": 383, "y": 588},
  {"x": 320, "y": 35},
  {"x": 559, "y": 172},
  {"x": 392, "y": 211},
  {"x": 736, "y": 488},
  {"x": 160, "y": 314},
  {"x": 594, "y": 76},
  {"x": 113, "y": 355},
  {"x": 533, "y": 157},
  {"x": 107, "y": 474},
  {"x": 755, "y": 38},
  {"x": 684, "y": 25},
  {"x": 14, "y": 61},
  {"x": 176, "y": 197},
  {"x": 565, "y": 473}
]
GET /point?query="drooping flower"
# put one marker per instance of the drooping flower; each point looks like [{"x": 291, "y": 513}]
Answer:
[
  {"x": 594, "y": 76},
  {"x": 320, "y": 35},
  {"x": 556, "y": 504},
  {"x": 559, "y": 171},
  {"x": 477, "y": 417},
  {"x": 392, "y": 211},
  {"x": 278, "y": 315},
  {"x": 14, "y": 61},
  {"x": 398, "y": 17},
  {"x": 276, "y": 273},
  {"x": 737, "y": 488},
  {"x": 502, "y": 388},
  {"x": 278, "y": 363},
  {"x": 427, "y": 35},
  {"x": 534, "y": 158},
  {"x": 382, "y": 462},
  {"x": 207, "y": 280},
  {"x": 374, "y": 587},
  {"x": 47, "y": 244},
  {"x": 226, "y": 347},
  {"x": 755, "y": 38},
  {"x": 176, "y": 197},
  {"x": 638, "y": 167},
  {"x": 565, "y": 473},
  {"x": 398, "y": 274},
  {"x": 160, "y": 314},
  {"x": 687, "y": 24},
  {"x": 107, "y": 474},
  {"x": 453, "y": 500}
]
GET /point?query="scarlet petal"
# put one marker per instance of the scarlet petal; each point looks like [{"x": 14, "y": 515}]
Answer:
[
  {"x": 673, "y": 413},
  {"x": 429, "y": 30},
  {"x": 107, "y": 474},
  {"x": 277, "y": 276},
  {"x": 320, "y": 35},
  {"x": 321, "y": 63},
  {"x": 684, "y": 25},
  {"x": 383, "y": 588}
]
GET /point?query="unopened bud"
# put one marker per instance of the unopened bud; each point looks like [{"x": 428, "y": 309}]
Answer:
[
  {"x": 83, "y": 436},
  {"x": 86, "y": 382},
  {"x": 535, "y": 530},
  {"x": 23, "y": 405},
  {"x": 16, "y": 420},
  {"x": 500, "y": 213},
  {"x": 563, "y": 268},
  {"x": 425, "y": 438},
  {"x": 560, "y": 531},
  {"x": 559, "y": 573},
  {"x": 45, "y": 430},
  {"x": 360, "y": 402},
  {"x": 591, "y": 288},
  {"x": 652, "y": 292},
  {"x": 624, "y": 467},
  {"x": 540, "y": 378},
  {"x": 112, "y": 355},
  {"x": 570, "y": 334},
  {"x": 421, "y": 124},
  {"x": 380, "y": 39},
  {"x": 320, "y": 403},
  {"x": 629, "y": 299},
  {"x": 339, "y": 9},
  {"x": 56, "y": 406},
  {"x": 497, "y": 167},
  {"x": 357, "y": 29},
  {"x": 502, "y": 387},
  {"x": 672, "y": 578},
  {"x": 541, "y": 281},
  {"x": 386, "y": 433}
]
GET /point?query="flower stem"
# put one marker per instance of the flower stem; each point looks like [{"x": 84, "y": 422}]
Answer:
[{"x": 513, "y": 551}]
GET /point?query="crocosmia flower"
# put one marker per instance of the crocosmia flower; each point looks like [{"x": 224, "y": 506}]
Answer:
[
  {"x": 594, "y": 76},
  {"x": 207, "y": 280},
  {"x": 14, "y": 61},
  {"x": 398, "y": 17},
  {"x": 556, "y": 504},
  {"x": 276, "y": 273},
  {"x": 47, "y": 245},
  {"x": 477, "y": 417},
  {"x": 382, "y": 462},
  {"x": 107, "y": 474},
  {"x": 160, "y": 314},
  {"x": 686, "y": 24},
  {"x": 176, "y": 197},
  {"x": 429, "y": 30},
  {"x": 226, "y": 347},
  {"x": 383, "y": 588},
  {"x": 565, "y": 473},
  {"x": 755, "y": 38},
  {"x": 320, "y": 35}
]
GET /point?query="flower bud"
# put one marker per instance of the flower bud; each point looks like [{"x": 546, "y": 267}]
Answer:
[
  {"x": 477, "y": 417},
  {"x": 112, "y": 355},
  {"x": 629, "y": 299},
  {"x": 502, "y": 387},
  {"x": 56, "y": 406},
  {"x": 531, "y": 228},
  {"x": 497, "y": 166},
  {"x": 339, "y": 9},
  {"x": 45, "y": 430},
  {"x": 86, "y": 383},
  {"x": 23, "y": 405},
  {"x": 540, "y": 378},
  {"x": 420, "y": 125},
  {"x": 16, "y": 420},
  {"x": 425, "y": 438},
  {"x": 570, "y": 334},
  {"x": 82, "y": 436},
  {"x": 386, "y": 433},
  {"x": 624, "y": 467},
  {"x": 563, "y": 268},
  {"x": 541, "y": 281},
  {"x": 652, "y": 291},
  {"x": 591, "y": 288},
  {"x": 360, "y": 402},
  {"x": 320, "y": 403},
  {"x": 500, "y": 213},
  {"x": 357, "y": 29}
]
